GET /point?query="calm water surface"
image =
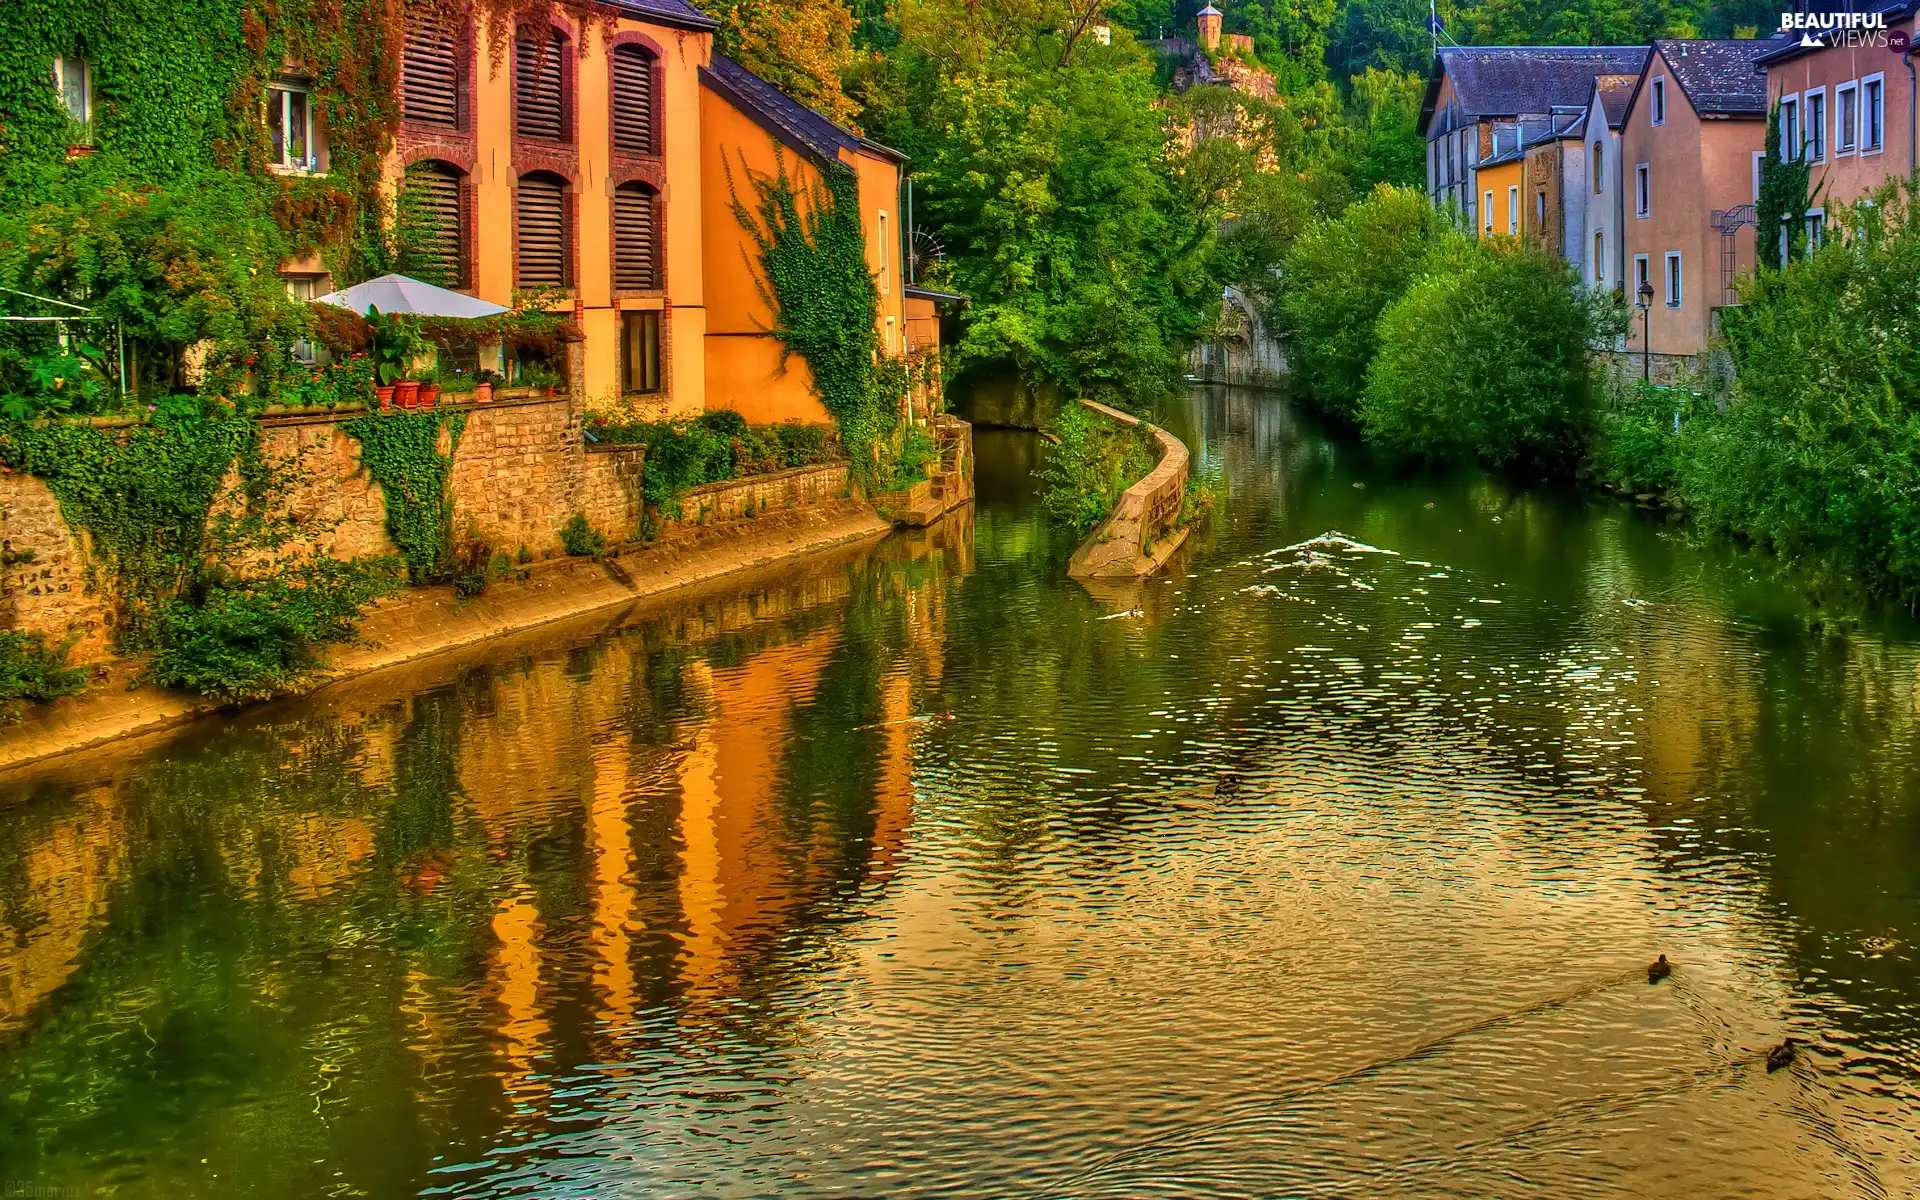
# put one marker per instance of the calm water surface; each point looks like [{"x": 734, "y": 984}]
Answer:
[{"x": 1328, "y": 871}]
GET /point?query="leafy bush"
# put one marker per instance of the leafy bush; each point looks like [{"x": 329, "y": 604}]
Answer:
[
  {"x": 250, "y": 639},
  {"x": 581, "y": 539},
  {"x": 1637, "y": 436},
  {"x": 31, "y": 670},
  {"x": 917, "y": 449},
  {"x": 1340, "y": 275},
  {"x": 714, "y": 446},
  {"x": 1096, "y": 460},
  {"x": 1486, "y": 356},
  {"x": 1816, "y": 456}
]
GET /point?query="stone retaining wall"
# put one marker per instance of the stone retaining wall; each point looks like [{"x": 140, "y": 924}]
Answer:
[{"x": 1141, "y": 532}]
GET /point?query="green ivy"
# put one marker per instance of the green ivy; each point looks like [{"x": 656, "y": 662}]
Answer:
[
  {"x": 141, "y": 495},
  {"x": 1784, "y": 199},
  {"x": 814, "y": 275},
  {"x": 401, "y": 450}
]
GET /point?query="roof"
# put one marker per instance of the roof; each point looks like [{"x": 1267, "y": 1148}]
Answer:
[
  {"x": 677, "y": 13},
  {"x": 1615, "y": 93},
  {"x": 785, "y": 118},
  {"x": 916, "y": 292},
  {"x": 1790, "y": 48},
  {"x": 1505, "y": 81},
  {"x": 1209, "y": 11},
  {"x": 1718, "y": 77}
]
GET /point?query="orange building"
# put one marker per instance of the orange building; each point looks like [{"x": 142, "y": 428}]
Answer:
[{"x": 590, "y": 162}]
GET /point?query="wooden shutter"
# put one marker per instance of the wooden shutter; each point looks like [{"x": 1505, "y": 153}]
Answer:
[
  {"x": 436, "y": 189},
  {"x": 538, "y": 111},
  {"x": 632, "y": 100},
  {"x": 633, "y": 239},
  {"x": 541, "y": 207},
  {"x": 430, "y": 72}
]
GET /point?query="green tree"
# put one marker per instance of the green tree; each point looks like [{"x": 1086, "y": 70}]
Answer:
[
  {"x": 1340, "y": 275},
  {"x": 1387, "y": 109}
]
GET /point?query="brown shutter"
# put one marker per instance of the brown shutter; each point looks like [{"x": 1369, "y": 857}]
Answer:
[
  {"x": 632, "y": 100},
  {"x": 537, "y": 103},
  {"x": 540, "y": 207},
  {"x": 437, "y": 190},
  {"x": 633, "y": 239},
  {"x": 430, "y": 72}
]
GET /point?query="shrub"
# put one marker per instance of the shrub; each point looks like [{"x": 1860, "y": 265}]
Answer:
[
  {"x": 1486, "y": 356},
  {"x": 581, "y": 539},
  {"x": 1339, "y": 276},
  {"x": 31, "y": 670},
  {"x": 250, "y": 639},
  {"x": 715, "y": 446},
  {"x": 1637, "y": 436},
  {"x": 917, "y": 449},
  {"x": 1096, "y": 460}
]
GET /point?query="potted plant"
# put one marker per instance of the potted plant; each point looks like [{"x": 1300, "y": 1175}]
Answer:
[
  {"x": 483, "y": 382},
  {"x": 430, "y": 387},
  {"x": 542, "y": 378},
  {"x": 395, "y": 342}
]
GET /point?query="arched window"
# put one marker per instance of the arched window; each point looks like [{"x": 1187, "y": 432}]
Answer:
[
  {"x": 1599, "y": 168},
  {"x": 633, "y": 101},
  {"x": 435, "y": 200},
  {"x": 636, "y": 244},
  {"x": 432, "y": 72},
  {"x": 542, "y": 239},
  {"x": 539, "y": 84}
]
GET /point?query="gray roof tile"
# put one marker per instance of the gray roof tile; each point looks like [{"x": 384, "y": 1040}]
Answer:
[
  {"x": 1719, "y": 76},
  {"x": 1509, "y": 80},
  {"x": 778, "y": 113}
]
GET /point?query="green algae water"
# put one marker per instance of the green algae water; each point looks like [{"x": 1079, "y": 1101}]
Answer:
[{"x": 1328, "y": 864}]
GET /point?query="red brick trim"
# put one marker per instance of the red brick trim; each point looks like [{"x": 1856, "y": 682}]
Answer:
[
  {"x": 465, "y": 47},
  {"x": 456, "y": 151},
  {"x": 570, "y": 230},
  {"x": 567, "y": 149},
  {"x": 563, "y": 161},
  {"x": 469, "y": 236},
  {"x": 659, "y": 241},
  {"x": 636, "y": 38},
  {"x": 627, "y": 169}
]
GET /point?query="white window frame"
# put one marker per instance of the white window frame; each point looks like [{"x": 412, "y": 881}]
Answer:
[
  {"x": 1600, "y": 167},
  {"x": 1676, "y": 280},
  {"x": 1599, "y": 271},
  {"x": 60, "y": 63},
  {"x": 1643, "y": 190},
  {"x": 1759, "y": 156},
  {"x": 1877, "y": 78},
  {"x": 1513, "y": 210},
  {"x": 1846, "y": 133},
  {"x": 1816, "y": 139},
  {"x": 281, "y": 92},
  {"x": 1642, "y": 273},
  {"x": 1659, "y": 111},
  {"x": 1816, "y": 229},
  {"x": 1791, "y": 144},
  {"x": 1488, "y": 215}
]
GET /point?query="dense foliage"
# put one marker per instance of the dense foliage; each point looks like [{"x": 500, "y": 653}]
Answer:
[
  {"x": 1815, "y": 456},
  {"x": 402, "y": 452},
  {"x": 1485, "y": 356},
  {"x": 1783, "y": 200},
  {"x": 712, "y": 447},
  {"x": 32, "y": 670},
  {"x": 1095, "y": 459},
  {"x": 1341, "y": 274}
]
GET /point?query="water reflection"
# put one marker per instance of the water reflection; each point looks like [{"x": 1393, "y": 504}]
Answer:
[{"x": 920, "y": 870}]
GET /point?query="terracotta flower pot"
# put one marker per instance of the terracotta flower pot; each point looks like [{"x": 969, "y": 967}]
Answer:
[
  {"x": 384, "y": 393},
  {"x": 429, "y": 395},
  {"x": 407, "y": 392},
  {"x": 483, "y": 393}
]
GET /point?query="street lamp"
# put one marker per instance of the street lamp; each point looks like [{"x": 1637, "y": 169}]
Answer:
[{"x": 1646, "y": 329}]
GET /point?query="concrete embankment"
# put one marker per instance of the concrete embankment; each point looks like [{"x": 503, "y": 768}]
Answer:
[
  {"x": 429, "y": 621},
  {"x": 1143, "y": 530}
]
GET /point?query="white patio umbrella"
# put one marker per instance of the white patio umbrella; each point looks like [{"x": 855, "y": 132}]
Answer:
[{"x": 401, "y": 294}]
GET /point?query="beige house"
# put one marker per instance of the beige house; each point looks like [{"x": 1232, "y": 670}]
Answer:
[{"x": 1693, "y": 127}]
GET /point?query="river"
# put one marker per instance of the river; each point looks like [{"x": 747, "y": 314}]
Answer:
[{"x": 1330, "y": 869}]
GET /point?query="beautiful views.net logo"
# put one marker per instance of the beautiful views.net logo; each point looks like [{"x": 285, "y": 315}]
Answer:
[{"x": 1843, "y": 29}]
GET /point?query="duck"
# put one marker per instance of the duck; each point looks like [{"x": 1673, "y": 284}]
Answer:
[
  {"x": 1780, "y": 1056},
  {"x": 1229, "y": 784},
  {"x": 1659, "y": 970}
]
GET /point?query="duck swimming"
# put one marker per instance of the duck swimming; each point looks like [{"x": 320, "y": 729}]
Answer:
[
  {"x": 1659, "y": 970},
  {"x": 1780, "y": 1056}
]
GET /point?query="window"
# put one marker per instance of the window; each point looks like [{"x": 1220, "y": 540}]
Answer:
[
  {"x": 633, "y": 101},
  {"x": 1487, "y": 208},
  {"x": 1759, "y": 156},
  {"x": 305, "y": 288},
  {"x": 1640, "y": 276},
  {"x": 539, "y": 85},
  {"x": 434, "y": 194},
  {"x": 541, "y": 257},
  {"x": 1642, "y": 190},
  {"x": 1539, "y": 210},
  {"x": 636, "y": 246},
  {"x": 640, "y": 351},
  {"x": 1846, "y": 118},
  {"x": 71, "y": 77},
  {"x": 1659, "y": 101},
  {"x": 889, "y": 341},
  {"x": 1872, "y": 114},
  {"x": 1790, "y": 147},
  {"x": 1816, "y": 229},
  {"x": 886, "y": 257},
  {"x": 290, "y": 120},
  {"x": 1816, "y": 102},
  {"x": 1599, "y": 260},
  {"x": 1513, "y": 208},
  {"x": 1599, "y": 168},
  {"x": 430, "y": 72},
  {"x": 1674, "y": 289}
]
